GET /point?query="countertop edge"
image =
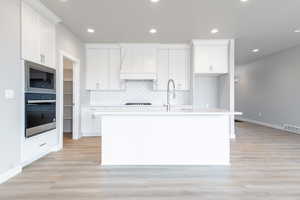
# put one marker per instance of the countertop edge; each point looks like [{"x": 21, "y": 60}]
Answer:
[{"x": 163, "y": 113}]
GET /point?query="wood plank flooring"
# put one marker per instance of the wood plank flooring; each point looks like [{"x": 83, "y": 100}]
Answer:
[{"x": 265, "y": 165}]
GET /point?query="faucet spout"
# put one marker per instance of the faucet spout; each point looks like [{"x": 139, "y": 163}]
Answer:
[{"x": 170, "y": 82}]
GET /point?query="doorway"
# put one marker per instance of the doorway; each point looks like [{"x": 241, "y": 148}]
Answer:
[{"x": 68, "y": 97}]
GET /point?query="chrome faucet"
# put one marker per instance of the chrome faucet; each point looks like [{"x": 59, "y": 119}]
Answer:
[{"x": 171, "y": 81}]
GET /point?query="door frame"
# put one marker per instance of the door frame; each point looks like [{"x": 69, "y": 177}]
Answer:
[{"x": 76, "y": 96}]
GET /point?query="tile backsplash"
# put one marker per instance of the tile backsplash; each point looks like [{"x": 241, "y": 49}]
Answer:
[{"x": 137, "y": 91}]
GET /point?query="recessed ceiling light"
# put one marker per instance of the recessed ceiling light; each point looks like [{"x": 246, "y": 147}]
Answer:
[
  {"x": 90, "y": 30},
  {"x": 255, "y": 50},
  {"x": 297, "y": 31},
  {"x": 153, "y": 31},
  {"x": 154, "y": 1},
  {"x": 214, "y": 31},
  {"x": 63, "y": 1},
  {"x": 243, "y": 0}
]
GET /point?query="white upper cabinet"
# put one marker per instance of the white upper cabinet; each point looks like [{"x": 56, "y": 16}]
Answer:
[
  {"x": 173, "y": 63},
  {"x": 211, "y": 56},
  {"x": 30, "y": 34},
  {"x": 103, "y": 67},
  {"x": 47, "y": 41},
  {"x": 162, "y": 69},
  {"x": 38, "y": 37},
  {"x": 138, "y": 61}
]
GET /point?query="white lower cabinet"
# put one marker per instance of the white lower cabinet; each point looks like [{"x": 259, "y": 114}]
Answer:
[
  {"x": 173, "y": 63},
  {"x": 90, "y": 125},
  {"x": 38, "y": 146}
]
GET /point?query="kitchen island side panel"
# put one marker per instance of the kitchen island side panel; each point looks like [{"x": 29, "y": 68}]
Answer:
[{"x": 166, "y": 140}]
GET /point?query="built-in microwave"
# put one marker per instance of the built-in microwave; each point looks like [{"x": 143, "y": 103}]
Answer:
[{"x": 39, "y": 78}]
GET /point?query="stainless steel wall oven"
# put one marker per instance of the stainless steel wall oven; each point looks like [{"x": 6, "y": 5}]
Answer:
[{"x": 40, "y": 113}]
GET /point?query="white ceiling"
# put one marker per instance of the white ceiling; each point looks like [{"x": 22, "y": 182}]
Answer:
[{"x": 265, "y": 24}]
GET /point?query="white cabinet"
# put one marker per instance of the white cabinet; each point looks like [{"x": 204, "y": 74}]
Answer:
[
  {"x": 211, "y": 56},
  {"x": 90, "y": 125},
  {"x": 30, "y": 34},
  {"x": 38, "y": 37},
  {"x": 47, "y": 41},
  {"x": 35, "y": 147},
  {"x": 103, "y": 68},
  {"x": 97, "y": 69},
  {"x": 138, "y": 61},
  {"x": 173, "y": 63}
]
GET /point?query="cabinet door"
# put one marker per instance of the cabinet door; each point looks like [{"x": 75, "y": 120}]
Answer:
[
  {"x": 47, "y": 34},
  {"x": 87, "y": 121},
  {"x": 179, "y": 68},
  {"x": 149, "y": 59},
  {"x": 211, "y": 59},
  {"x": 97, "y": 69},
  {"x": 162, "y": 69},
  {"x": 30, "y": 34},
  {"x": 114, "y": 70},
  {"x": 219, "y": 59},
  {"x": 127, "y": 65}
]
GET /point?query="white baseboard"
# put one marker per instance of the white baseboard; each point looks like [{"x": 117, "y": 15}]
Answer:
[
  {"x": 91, "y": 134},
  {"x": 39, "y": 156},
  {"x": 261, "y": 123},
  {"x": 9, "y": 174}
]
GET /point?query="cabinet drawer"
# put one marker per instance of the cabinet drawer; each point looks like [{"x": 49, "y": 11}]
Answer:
[{"x": 39, "y": 145}]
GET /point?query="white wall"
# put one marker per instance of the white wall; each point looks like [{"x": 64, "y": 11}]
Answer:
[
  {"x": 66, "y": 41},
  {"x": 270, "y": 86},
  {"x": 137, "y": 91},
  {"x": 10, "y": 66},
  {"x": 10, "y": 78}
]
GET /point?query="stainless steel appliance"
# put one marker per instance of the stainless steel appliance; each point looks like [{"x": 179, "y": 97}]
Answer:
[
  {"x": 39, "y": 78},
  {"x": 40, "y": 113}
]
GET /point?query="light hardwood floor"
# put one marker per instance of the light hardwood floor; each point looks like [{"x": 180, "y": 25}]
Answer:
[{"x": 265, "y": 165}]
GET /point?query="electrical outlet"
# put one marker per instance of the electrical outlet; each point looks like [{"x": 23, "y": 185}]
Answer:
[{"x": 260, "y": 114}]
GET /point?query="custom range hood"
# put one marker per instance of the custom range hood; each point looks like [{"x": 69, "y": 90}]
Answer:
[{"x": 138, "y": 62}]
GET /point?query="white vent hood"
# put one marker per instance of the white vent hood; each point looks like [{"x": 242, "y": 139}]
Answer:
[{"x": 138, "y": 62}]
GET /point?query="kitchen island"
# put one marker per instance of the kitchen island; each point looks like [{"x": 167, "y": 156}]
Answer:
[{"x": 179, "y": 137}]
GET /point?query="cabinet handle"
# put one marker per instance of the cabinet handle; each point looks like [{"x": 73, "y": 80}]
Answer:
[
  {"x": 43, "y": 59},
  {"x": 41, "y": 145},
  {"x": 97, "y": 86}
]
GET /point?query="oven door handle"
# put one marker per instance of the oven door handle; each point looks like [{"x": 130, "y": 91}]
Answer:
[{"x": 41, "y": 101}]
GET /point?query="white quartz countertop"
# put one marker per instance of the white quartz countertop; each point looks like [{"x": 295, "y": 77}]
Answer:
[{"x": 163, "y": 112}]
